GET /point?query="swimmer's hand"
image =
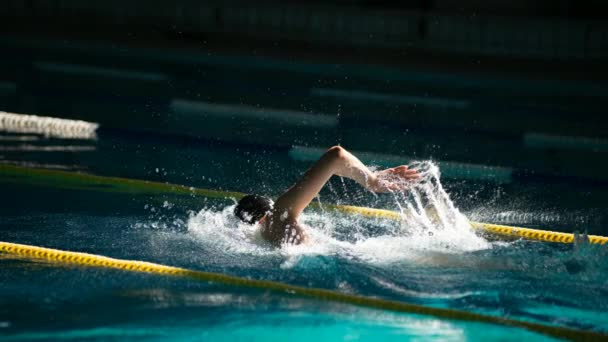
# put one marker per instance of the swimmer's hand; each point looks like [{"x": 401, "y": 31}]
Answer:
[{"x": 395, "y": 179}]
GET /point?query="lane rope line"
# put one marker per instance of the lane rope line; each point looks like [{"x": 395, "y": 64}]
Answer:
[
  {"x": 495, "y": 229},
  {"x": 48, "y": 126},
  {"x": 117, "y": 184},
  {"x": 91, "y": 260}
]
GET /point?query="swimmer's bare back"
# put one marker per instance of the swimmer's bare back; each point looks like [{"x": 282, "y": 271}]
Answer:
[{"x": 281, "y": 225}]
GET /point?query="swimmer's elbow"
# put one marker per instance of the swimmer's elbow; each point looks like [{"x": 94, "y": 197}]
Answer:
[{"x": 336, "y": 152}]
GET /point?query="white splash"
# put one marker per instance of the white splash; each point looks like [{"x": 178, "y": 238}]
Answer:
[
  {"x": 429, "y": 214},
  {"x": 431, "y": 227}
]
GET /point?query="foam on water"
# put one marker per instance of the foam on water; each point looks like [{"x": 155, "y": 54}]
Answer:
[{"x": 431, "y": 224}]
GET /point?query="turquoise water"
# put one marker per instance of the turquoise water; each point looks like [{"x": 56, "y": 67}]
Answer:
[{"x": 561, "y": 285}]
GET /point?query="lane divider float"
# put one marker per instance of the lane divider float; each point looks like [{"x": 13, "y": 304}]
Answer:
[
  {"x": 47, "y": 126},
  {"x": 494, "y": 229}
]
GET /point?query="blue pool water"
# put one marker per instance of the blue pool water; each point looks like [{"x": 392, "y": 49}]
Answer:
[{"x": 562, "y": 285}]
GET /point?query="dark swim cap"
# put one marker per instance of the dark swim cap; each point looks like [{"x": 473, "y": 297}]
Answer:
[{"x": 252, "y": 208}]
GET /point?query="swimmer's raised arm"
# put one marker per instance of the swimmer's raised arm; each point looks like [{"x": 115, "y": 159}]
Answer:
[
  {"x": 337, "y": 161},
  {"x": 280, "y": 222}
]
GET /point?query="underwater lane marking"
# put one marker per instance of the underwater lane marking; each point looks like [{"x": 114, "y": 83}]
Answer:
[
  {"x": 51, "y": 148},
  {"x": 92, "y": 260},
  {"x": 28, "y": 164},
  {"x": 358, "y": 95},
  {"x": 272, "y": 116},
  {"x": 548, "y": 141},
  {"x": 372, "y": 72},
  {"x": 74, "y": 180},
  {"x": 19, "y": 138},
  {"x": 79, "y": 69}
]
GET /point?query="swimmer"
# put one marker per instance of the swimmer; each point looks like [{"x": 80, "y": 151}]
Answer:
[{"x": 279, "y": 220}]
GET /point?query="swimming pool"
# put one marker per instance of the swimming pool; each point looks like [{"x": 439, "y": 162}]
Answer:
[{"x": 555, "y": 284}]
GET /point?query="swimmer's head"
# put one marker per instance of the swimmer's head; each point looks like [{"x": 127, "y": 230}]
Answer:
[{"x": 252, "y": 208}]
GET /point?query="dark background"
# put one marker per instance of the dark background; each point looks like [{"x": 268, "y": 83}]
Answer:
[{"x": 515, "y": 85}]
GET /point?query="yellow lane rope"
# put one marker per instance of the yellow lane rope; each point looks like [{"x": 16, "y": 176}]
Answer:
[
  {"x": 535, "y": 234},
  {"x": 73, "y": 180},
  {"x": 505, "y": 231},
  {"x": 91, "y": 260}
]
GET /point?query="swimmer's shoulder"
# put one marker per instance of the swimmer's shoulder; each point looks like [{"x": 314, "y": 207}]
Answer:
[{"x": 279, "y": 232}]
